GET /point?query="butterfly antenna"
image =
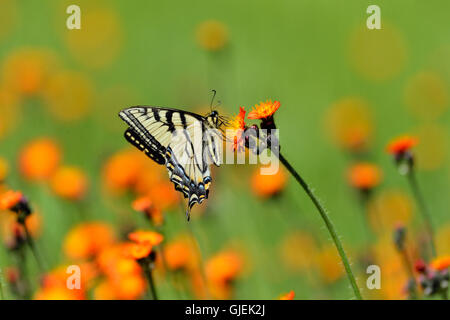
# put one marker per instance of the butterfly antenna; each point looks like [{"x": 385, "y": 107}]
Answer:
[{"x": 212, "y": 100}]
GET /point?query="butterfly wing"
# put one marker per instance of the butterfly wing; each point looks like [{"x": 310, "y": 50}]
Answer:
[{"x": 174, "y": 138}]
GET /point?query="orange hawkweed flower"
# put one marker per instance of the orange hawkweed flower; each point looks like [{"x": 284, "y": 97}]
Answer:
[
  {"x": 145, "y": 204},
  {"x": 10, "y": 199},
  {"x": 441, "y": 263},
  {"x": 39, "y": 159},
  {"x": 69, "y": 183},
  {"x": 180, "y": 254},
  {"x": 122, "y": 170},
  {"x": 364, "y": 176},
  {"x": 221, "y": 270},
  {"x": 264, "y": 110},
  {"x": 236, "y": 128},
  {"x": 287, "y": 296},
  {"x": 146, "y": 237},
  {"x": 268, "y": 185},
  {"x": 401, "y": 144},
  {"x": 137, "y": 251},
  {"x": 88, "y": 239},
  {"x": 224, "y": 266}
]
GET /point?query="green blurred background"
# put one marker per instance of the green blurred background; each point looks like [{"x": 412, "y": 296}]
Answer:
[{"x": 312, "y": 56}]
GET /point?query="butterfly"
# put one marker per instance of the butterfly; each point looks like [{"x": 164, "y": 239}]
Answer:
[{"x": 185, "y": 142}]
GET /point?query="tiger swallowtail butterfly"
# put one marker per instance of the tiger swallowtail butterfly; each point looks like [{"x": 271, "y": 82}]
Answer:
[{"x": 186, "y": 143}]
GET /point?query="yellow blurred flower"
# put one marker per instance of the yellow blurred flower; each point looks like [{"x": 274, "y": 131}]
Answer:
[
  {"x": 329, "y": 264},
  {"x": 298, "y": 250},
  {"x": 124, "y": 278},
  {"x": 432, "y": 151},
  {"x": 212, "y": 35},
  {"x": 60, "y": 93},
  {"x": 39, "y": 158},
  {"x": 394, "y": 275},
  {"x": 377, "y": 55},
  {"x": 426, "y": 95},
  {"x": 10, "y": 110},
  {"x": 88, "y": 239},
  {"x": 388, "y": 208},
  {"x": 27, "y": 70},
  {"x": 98, "y": 43},
  {"x": 69, "y": 182},
  {"x": 4, "y": 169},
  {"x": 349, "y": 124},
  {"x": 443, "y": 240}
]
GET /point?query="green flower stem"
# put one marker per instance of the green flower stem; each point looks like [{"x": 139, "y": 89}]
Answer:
[
  {"x": 328, "y": 224},
  {"x": 147, "y": 265},
  {"x": 423, "y": 209},
  {"x": 33, "y": 248}
]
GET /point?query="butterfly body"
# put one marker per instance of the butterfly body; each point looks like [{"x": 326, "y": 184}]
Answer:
[{"x": 186, "y": 143}]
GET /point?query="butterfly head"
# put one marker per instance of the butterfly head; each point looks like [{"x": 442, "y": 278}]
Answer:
[{"x": 214, "y": 119}]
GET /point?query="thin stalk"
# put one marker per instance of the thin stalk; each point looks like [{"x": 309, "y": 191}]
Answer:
[
  {"x": 33, "y": 248},
  {"x": 328, "y": 224},
  {"x": 151, "y": 282},
  {"x": 423, "y": 209}
]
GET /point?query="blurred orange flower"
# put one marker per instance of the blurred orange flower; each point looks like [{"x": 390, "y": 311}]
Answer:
[
  {"x": 441, "y": 263},
  {"x": 58, "y": 293},
  {"x": 39, "y": 159},
  {"x": 59, "y": 93},
  {"x": 144, "y": 204},
  {"x": 59, "y": 275},
  {"x": 264, "y": 110},
  {"x": 267, "y": 185},
  {"x": 212, "y": 35},
  {"x": 87, "y": 239},
  {"x": 146, "y": 237},
  {"x": 137, "y": 251},
  {"x": 9, "y": 199},
  {"x": 364, "y": 176},
  {"x": 124, "y": 279},
  {"x": 26, "y": 71},
  {"x": 122, "y": 170},
  {"x": 12, "y": 230},
  {"x": 180, "y": 254},
  {"x": 401, "y": 144},
  {"x": 221, "y": 270},
  {"x": 287, "y": 296},
  {"x": 69, "y": 182},
  {"x": 165, "y": 195}
]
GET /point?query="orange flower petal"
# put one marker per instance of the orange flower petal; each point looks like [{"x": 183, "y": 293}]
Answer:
[{"x": 264, "y": 110}]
